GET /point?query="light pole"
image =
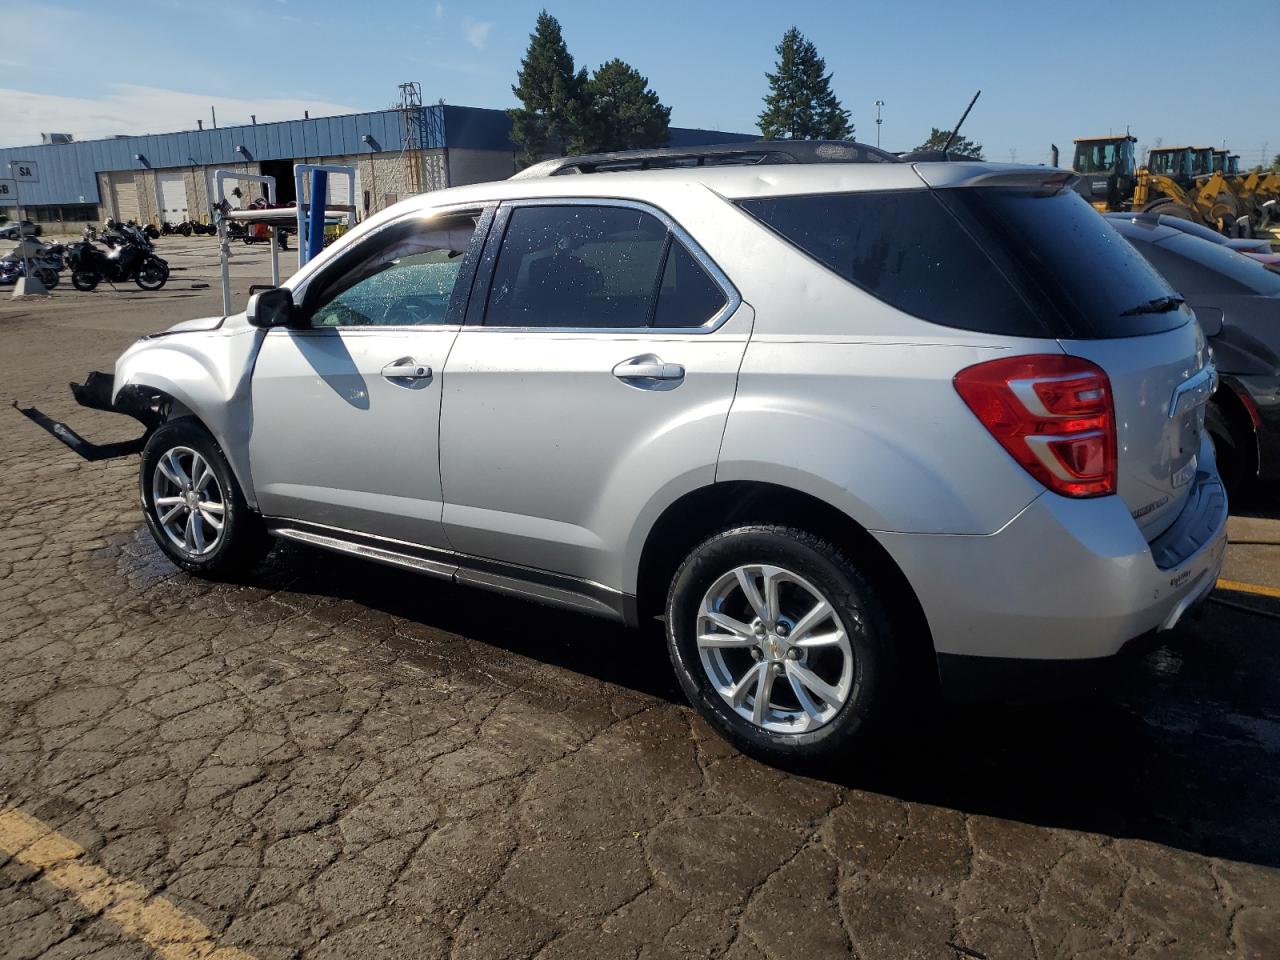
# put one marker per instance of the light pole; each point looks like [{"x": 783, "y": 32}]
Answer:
[{"x": 879, "y": 104}]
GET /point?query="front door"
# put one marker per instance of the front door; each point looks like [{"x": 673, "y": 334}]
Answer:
[
  {"x": 346, "y": 409},
  {"x": 599, "y": 371}
]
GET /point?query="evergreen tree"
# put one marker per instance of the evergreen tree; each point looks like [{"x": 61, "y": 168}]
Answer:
[
  {"x": 800, "y": 104},
  {"x": 553, "y": 113},
  {"x": 962, "y": 147},
  {"x": 623, "y": 113}
]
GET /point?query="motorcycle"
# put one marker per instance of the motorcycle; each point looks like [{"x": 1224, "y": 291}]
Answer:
[
  {"x": 133, "y": 258},
  {"x": 46, "y": 262},
  {"x": 183, "y": 228}
]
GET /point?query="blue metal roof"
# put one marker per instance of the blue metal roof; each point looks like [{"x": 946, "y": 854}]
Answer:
[{"x": 68, "y": 171}]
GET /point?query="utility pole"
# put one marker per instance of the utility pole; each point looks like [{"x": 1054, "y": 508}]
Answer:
[{"x": 879, "y": 104}]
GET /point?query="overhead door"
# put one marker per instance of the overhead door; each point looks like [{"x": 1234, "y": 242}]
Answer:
[
  {"x": 171, "y": 190},
  {"x": 340, "y": 189},
  {"x": 124, "y": 196}
]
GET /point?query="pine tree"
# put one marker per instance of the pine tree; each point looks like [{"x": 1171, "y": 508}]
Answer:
[
  {"x": 623, "y": 113},
  {"x": 553, "y": 113},
  {"x": 962, "y": 147},
  {"x": 800, "y": 104}
]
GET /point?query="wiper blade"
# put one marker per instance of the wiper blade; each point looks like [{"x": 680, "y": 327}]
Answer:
[{"x": 1158, "y": 305}]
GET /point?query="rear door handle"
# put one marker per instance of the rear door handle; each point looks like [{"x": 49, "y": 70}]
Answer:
[
  {"x": 406, "y": 368},
  {"x": 648, "y": 368}
]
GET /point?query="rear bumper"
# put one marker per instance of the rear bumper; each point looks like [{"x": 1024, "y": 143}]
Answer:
[{"x": 1063, "y": 583}]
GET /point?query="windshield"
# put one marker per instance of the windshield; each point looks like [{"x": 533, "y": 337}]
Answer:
[{"x": 1096, "y": 157}]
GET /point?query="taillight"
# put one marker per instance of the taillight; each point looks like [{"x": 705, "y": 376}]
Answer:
[{"x": 1053, "y": 414}]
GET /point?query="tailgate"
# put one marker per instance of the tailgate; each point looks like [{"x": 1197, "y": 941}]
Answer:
[{"x": 1160, "y": 384}]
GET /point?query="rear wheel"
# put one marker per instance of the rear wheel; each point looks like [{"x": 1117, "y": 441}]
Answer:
[
  {"x": 194, "y": 508},
  {"x": 780, "y": 642},
  {"x": 1232, "y": 449},
  {"x": 85, "y": 279},
  {"x": 47, "y": 276}
]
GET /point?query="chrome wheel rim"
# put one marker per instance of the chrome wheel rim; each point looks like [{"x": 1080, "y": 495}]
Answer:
[
  {"x": 188, "y": 501},
  {"x": 775, "y": 649}
]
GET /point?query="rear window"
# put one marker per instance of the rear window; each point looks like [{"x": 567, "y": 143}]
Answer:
[
  {"x": 1019, "y": 263},
  {"x": 1196, "y": 267}
]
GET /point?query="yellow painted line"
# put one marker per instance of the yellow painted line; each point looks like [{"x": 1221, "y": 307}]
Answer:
[
  {"x": 1257, "y": 589},
  {"x": 171, "y": 933}
]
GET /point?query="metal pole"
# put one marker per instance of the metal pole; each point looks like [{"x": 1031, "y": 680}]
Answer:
[
  {"x": 879, "y": 104},
  {"x": 316, "y": 209}
]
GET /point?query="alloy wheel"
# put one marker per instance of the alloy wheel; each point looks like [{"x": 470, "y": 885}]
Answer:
[
  {"x": 189, "y": 503},
  {"x": 775, "y": 649}
]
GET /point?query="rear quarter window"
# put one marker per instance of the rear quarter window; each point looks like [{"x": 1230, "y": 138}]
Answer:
[
  {"x": 1013, "y": 262},
  {"x": 906, "y": 249}
]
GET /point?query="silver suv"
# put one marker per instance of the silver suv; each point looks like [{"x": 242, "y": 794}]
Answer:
[{"x": 832, "y": 421}]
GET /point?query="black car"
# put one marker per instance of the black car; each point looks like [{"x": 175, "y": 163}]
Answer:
[{"x": 1237, "y": 302}]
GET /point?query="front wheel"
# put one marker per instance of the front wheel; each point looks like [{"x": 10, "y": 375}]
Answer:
[
  {"x": 780, "y": 642},
  {"x": 152, "y": 274},
  {"x": 85, "y": 280},
  {"x": 47, "y": 276},
  {"x": 194, "y": 507}
]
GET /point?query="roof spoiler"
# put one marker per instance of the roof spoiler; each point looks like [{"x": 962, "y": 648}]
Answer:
[{"x": 985, "y": 175}]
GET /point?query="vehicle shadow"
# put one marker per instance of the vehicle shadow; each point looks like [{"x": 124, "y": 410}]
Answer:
[{"x": 1182, "y": 748}]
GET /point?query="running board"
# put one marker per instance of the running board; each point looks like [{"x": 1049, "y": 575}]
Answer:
[{"x": 554, "y": 589}]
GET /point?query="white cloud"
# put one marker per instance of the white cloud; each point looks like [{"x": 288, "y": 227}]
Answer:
[
  {"x": 477, "y": 31},
  {"x": 125, "y": 108}
]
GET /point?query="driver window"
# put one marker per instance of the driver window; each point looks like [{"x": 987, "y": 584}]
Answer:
[{"x": 407, "y": 279}]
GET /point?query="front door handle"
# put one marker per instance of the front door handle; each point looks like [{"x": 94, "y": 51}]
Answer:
[
  {"x": 406, "y": 368},
  {"x": 648, "y": 367}
]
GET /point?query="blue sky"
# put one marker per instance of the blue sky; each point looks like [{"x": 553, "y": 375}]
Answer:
[{"x": 1048, "y": 72}]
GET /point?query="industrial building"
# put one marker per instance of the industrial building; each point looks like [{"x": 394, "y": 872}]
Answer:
[{"x": 167, "y": 176}]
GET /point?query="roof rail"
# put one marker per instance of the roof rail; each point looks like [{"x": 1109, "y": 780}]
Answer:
[{"x": 746, "y": 153}]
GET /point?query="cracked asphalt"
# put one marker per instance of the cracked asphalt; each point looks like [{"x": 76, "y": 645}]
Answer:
[{"x": 339, "y": 760}]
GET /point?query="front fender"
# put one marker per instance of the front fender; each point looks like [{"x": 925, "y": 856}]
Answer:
[{"x": 204, "y": 374}]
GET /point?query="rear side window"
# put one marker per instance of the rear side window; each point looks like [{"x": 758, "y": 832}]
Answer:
[
  {"x": 603, "y": 267},
  {"x": 1013, "y": 262},
  {"x": 1067, "y": 261},
  {"x": 906, "y": 249}
]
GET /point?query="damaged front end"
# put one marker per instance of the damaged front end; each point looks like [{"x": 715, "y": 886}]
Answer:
[{"x": 149, "y": 408}]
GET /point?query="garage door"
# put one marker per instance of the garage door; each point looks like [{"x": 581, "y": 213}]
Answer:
[
  {"x": 340, "y": 189},
  {"x": 171, "y": 188},
  {"x": 124, "y": 196}
]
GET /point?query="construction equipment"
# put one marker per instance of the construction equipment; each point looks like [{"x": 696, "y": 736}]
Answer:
[
  {"x": 1108, "y": 171},
  {"x": 1177, "y": 181}
]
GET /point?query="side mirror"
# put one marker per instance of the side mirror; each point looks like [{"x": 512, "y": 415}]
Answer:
[{"x": 272, "y": 308}]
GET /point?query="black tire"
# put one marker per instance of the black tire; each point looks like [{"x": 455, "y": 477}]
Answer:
[
  {"x": 152, "y": 273},
  {"x": 1231, "y": 450},
  {"x": 47, "y": 276},
  {"x": 857, "y": 607},
  {"x": 85, "y": 280},
  {"x": 1169, "y": 208},
  {"x": 243, "y": 541},
  {"x": 185, "y": 229}
]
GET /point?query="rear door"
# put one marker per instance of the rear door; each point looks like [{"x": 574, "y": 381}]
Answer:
[
  {"x": 346, "y": 410},
  {"x": 598, "y": 369}
]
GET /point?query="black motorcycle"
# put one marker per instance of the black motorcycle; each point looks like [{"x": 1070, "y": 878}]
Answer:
[{"x": 133, "y": 258}]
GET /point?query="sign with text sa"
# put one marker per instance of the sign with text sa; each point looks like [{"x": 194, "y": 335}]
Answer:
[{"x": 24, "y": 171}]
